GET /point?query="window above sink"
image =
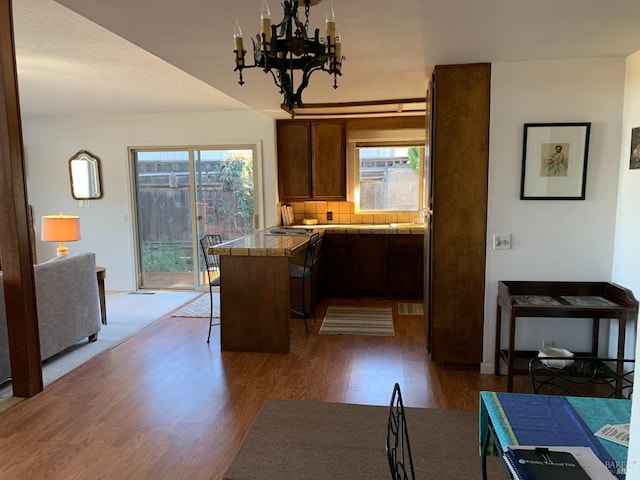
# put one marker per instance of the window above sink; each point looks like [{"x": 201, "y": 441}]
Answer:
[{"x": 386, "y": 170}]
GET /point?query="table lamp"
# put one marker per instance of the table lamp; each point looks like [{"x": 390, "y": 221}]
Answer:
[{"x": 60, "y": 228}]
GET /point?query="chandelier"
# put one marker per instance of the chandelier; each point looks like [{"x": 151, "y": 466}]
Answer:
[{"x": 285, "y": 48}]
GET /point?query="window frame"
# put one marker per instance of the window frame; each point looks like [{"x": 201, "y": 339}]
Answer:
[{"x": 383, "y": 139}]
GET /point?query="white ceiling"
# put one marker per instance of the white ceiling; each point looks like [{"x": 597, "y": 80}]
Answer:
[{"x": 168, "y": 55}]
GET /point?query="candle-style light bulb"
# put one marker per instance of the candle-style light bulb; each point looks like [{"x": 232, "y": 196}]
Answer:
[
  {"x": 237, "y": 31},
  {"x": 331, "y": 27},
  {"x": 237, "y": 40},
  {"x": 265, "y": 24}
]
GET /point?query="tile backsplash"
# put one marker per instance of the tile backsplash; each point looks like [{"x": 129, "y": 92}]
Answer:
[{"x": 343, "y": 213}]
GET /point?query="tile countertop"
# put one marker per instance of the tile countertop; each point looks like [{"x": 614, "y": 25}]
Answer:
[
  {"x": 357, "y": 228},
  {"x": 261, "y": 244}
]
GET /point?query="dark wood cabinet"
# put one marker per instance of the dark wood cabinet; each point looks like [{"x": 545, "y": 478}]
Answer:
[
  {"x": 369, "y": 264},
  {"x": 336, "y": 272},
  {"x": 459, "y": 145},
  {"x": 294, "y": 169},
  {"x": 373, "y": 265},
  {"x": 328, "y": 160},
  {"x": 405, "y": 265},
  {"x": 311, "y": 160}
]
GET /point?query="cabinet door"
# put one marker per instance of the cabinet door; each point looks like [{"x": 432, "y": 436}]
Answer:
[
  {"x": 406, "y": 265},
  {"x": 294, "y": 174},
  {"x": 336, "y": 262},
  {"x": 460, "y": 166},
  {"x": 328, "y": 160},
  {"x": 369, "y": 264}
]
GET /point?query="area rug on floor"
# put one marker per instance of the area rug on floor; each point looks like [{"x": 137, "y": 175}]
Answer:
[
  {"x": 200, "y": 307},
  {"x": 410, "y": 309},
  {"x": 127, "y": 313},
  {"x": 311, "y": 440},
  {"x": 358, "y": 321}
]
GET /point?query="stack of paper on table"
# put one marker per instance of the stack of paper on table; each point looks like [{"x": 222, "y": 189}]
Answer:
[{"x": 586, "y": 458}]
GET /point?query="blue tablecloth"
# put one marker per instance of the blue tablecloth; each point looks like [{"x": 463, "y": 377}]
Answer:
[{"x": 521, "y": 419}]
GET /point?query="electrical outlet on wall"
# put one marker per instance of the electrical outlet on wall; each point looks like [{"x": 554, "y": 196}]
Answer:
[
  {"x": 547, "y": 344},
  {"x": 502, "y": 241}
]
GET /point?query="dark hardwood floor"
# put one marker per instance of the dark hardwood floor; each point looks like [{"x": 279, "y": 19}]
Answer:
[{"x": 166, "y": 405}]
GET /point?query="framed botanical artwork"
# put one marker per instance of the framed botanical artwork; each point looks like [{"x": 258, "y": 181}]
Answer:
[
  {"x": 554, "y": 161},
  {"x": 634, "y": 161}
]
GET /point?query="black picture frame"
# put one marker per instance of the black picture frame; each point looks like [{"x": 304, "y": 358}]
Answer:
[{"x": 554, "y": 161}]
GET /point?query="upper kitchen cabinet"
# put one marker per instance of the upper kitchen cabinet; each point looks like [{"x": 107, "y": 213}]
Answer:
[
  {"x": 294, "y": 167},
  {"x": 311, "y": 160},
  {"x": 328, "y": 164}
]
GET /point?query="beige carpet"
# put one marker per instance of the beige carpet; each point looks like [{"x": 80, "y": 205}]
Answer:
[
  {"x": 200, "y": 307},
  {"x": 349, "y": 320},
  {"x": 321, "y": 441}
]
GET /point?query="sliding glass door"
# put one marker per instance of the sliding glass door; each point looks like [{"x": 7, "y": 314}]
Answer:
[{"x": 181, "y": 195}]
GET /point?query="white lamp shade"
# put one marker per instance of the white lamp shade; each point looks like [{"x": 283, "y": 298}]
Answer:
[{"x": 60, "y": 228}]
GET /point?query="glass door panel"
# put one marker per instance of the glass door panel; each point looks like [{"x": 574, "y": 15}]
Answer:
[
  {"x": 180, "y": 196},
  {"x": 224, "y": 195},
  {"x": 164, "y": 227}
]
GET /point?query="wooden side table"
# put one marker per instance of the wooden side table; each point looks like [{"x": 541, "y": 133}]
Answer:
[
  {"x": 586, "y": 300},
  {"x": 101, "y": 273}
]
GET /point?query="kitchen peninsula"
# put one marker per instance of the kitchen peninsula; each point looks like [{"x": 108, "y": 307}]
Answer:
[{"x": 254, "y": 290}]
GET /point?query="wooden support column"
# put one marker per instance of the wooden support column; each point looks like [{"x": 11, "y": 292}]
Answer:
[{"x": 15, "y": 245}]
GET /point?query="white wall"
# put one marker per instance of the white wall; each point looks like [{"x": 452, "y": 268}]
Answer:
[
  {"x": 626, "y": 262},
  {"x": 106, "y": 225},
  {"x": 552, "y": 240}
]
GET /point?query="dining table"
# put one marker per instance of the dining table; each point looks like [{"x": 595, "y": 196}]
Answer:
[{"x": 517, "y": 419}]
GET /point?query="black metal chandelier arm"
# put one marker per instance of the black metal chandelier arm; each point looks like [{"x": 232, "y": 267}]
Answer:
[
  {"x": 283, "y": 81},
  {"x": 275, "y": 79},
  {"x": 257, "y": 50},
  {"x": 290, "y": 16},
  {"x": 304, "y": 83}
]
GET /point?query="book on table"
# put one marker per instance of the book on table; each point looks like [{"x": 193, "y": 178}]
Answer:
[{"x": 540, "y": 463}]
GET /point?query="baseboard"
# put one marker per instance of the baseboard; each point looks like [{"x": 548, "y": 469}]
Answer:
[{"x": 486, "y": 368}]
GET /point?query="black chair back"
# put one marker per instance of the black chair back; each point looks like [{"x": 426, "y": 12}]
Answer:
[
  {"x": 310, "y": 256},
  {"x": 398, "y": 448},
  {"x": 211, "y": 261},
  {"x": 582, "y": 376}
]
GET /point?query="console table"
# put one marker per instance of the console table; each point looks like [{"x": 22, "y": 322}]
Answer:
[{"x": 588, "y": 300}]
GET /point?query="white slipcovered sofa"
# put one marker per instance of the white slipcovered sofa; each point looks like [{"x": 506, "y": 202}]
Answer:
[{"x": 67, "y": 303}]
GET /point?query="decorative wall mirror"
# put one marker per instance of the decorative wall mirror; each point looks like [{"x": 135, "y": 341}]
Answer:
[{"x": 84, "y": 172}]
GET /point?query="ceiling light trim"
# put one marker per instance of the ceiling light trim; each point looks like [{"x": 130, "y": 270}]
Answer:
[{"x": 396, "y": 107}]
